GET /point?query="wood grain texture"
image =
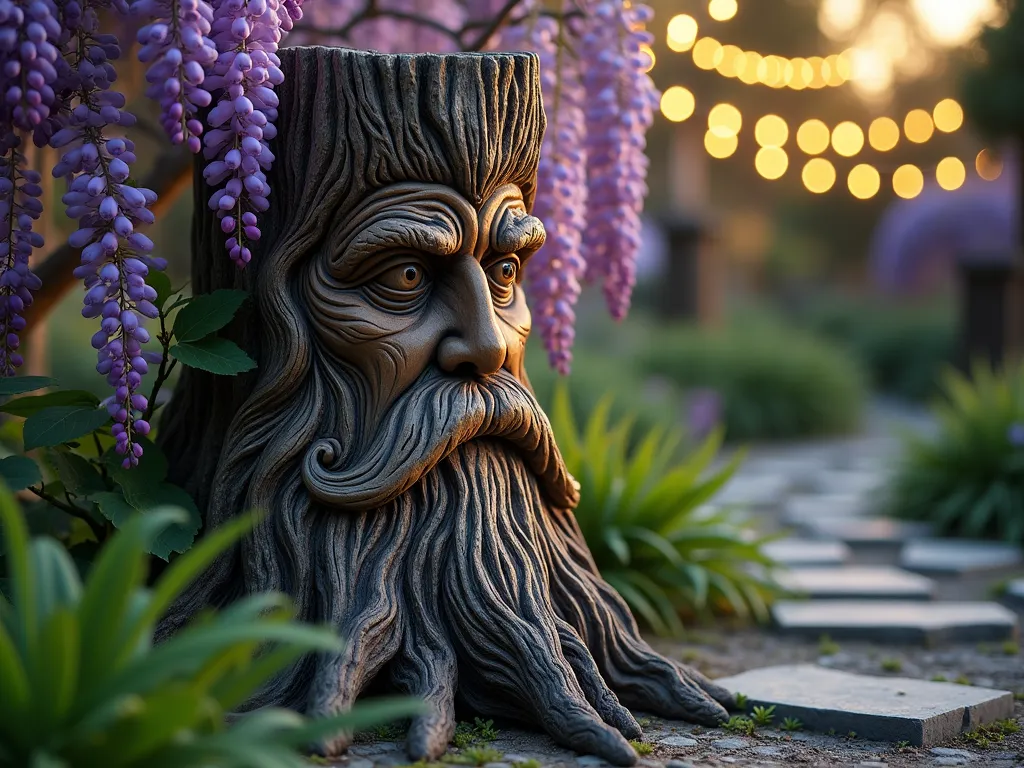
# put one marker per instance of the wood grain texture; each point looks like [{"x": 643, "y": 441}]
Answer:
[{"x": 417, "y": 500}]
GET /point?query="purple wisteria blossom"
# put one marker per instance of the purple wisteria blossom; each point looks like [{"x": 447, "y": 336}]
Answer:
[
  {"x": 1015, "y": 434},
  {"x": 176, "y": 46},
  {"x": 620, "y": 103},
  {"x": 28, "y": 60}
]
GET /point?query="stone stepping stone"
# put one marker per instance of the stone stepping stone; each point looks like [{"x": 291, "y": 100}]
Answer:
[
  {"x": 849, "y": 481},
  {"x": 896, "y": 621},
  {"x": 807, "y": 553},
  {"x": 957, "y": 556},
  {"x": 867, "y": 531},
  {"x": 753, "y": 491},
  {"x": 857, "y": 583},
  {"x": 888, "y": 709},
  {"x": 1015, "y": 592},
  {"x": 805, "y": 509}
]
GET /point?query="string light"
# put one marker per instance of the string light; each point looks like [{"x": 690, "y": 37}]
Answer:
[
  {"x": 918, "y": 126},
  {"x": 950, "y": 173},
  {"x": 883, "y": 134},
  {"x": 989, "y": 165},
  {"x": 948, "y": 115},
  {"x": 847, "y": 139},
  {"x": 732, "y": 61},
  {"x": 722, "y": 10},
  {"x": 771, "y": 162},
  {"x": 718, "y": 146},
  {"x": 678, "y": 103},
  {"x": 725, "y": 120},
  {"x": 813, "y": 137},
  {"x": 771, "y": 131},
  {"x": 646, "y": 49},
  {"x": 908, "y": 181},
  {"x": 682, "y": 32},
  {"x": 707, "y": 53},
  {"x": 864, "y": 181},
  {"x": 818, "y": 175}
]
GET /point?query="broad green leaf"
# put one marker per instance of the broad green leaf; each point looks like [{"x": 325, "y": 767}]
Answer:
[
  {"x": 177, "y": 537},
  {"x": 112, "y": 505},
  {"x": 19, "y": 571},
  {"x": 26, "y": 406},
  {"x": 77, "y": 473},
  {"x": 152, "y": 470},
  {"x": 15, "y": 693},
  {"x": 213, "y": 354},
  {"x": 17, "y": 385},
  {"x": 206, "y": 314},
  {"x": 19, "y": 472},
  {"x": 61, "y": 424},
  {"x": 55, "y": 669},
  {"x": 161, "y": 283}
]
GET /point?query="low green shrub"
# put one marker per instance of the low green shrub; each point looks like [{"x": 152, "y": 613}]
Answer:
[
  {"x": 83, "y": 684},
  {"x": 903, "y": 348},
  {"x": 968, "y": 478},
  {"x": 644, "y": 517},
  {"x": 775, "y": 382}
]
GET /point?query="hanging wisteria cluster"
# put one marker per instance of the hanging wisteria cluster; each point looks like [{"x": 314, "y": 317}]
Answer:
[{"x": 212, "y": 67}]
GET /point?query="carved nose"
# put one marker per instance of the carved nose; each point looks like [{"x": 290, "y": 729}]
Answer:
[{"x": 474, "y": 344}]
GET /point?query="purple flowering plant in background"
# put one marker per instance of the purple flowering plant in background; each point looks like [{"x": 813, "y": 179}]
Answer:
[
  {"x": 212, "y": 68},
  {"x": 1015, "y": 435}
]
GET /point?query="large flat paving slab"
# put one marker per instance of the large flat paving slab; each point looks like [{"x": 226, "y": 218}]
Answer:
[
  {"x": 849, "y": 481},
  {"x": 758, "y": 491},
  {"x": 807, "y": 553},
  {"x": 957, "y": 556},
  {"x": 1014, "y": 592},
  {"x": 891, "y": 709},
  {"x": 806, "y": 508},
  {"x": 866, "y": 531},
  {"x": 853, "y": 582},
  {"x": 896, "y": 621}
]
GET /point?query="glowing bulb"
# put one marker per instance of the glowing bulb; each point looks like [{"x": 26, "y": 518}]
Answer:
[
  {"x": 748, "y": 72},
  {"x": 950, "y": 173},
  {"x": 818, "y": 175},
  {"x": 918, "y": 126},
  {"x": 844, "y": 65},
  {"x": 720, "y": 146},
  {"x": 847, "y": 139},
  {"x": 820, "y": 71},
  {"x": 800, "y": 73},
  {"x": 770, "y": 71},
  {"x": 771, "y": 131},
  {"x": 732, "y": 60},
  {"x": 771, "y": 162},
  {"x": 948, "y": 115},
  {"x": 722, "y": 10},
  {"x": 682, "y": 32},
  {"x": 707, "y": 53},
  {"x": 813, "y": 137},
  {"x": 724, "y": 120},
  {"x": 908, "y": 181},
  {"x": 883, "y": 134},
  {"x": 989, "y": 165},
  {"x": 864, "y": 181},
  {"x": 838, "y": 18},
  {"x": 954, "y": 23},
  {"x": 677, "y": 103}
]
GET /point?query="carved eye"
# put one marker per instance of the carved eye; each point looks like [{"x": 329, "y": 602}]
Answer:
[
  {"x": 404, "y": 278},
  {"x": 504, "y": 272}
]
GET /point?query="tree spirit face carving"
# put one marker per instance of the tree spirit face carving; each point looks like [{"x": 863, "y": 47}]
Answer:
[{"x": 417, "y": 500}]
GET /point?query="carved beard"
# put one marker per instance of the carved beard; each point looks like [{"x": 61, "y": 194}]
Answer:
[{"x": 453, "y": 565}]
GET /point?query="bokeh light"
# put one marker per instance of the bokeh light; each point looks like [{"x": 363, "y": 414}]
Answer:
[
  {"x": 682, "y": 32},
  {"x": 771, "y": 162},
  {"x": 864, "y": 181},
  {"x": 989, "y": 165},
  {"x": 677, "y": 103},
  {"x": 948, "y": 115},
  {"x": 732, "y": 60},
  {"x": 950, "y": 173},
  {"x": 724, "y": 120},
  {"x": 720, "y": 146},
  {"x": 908, "y": 181},
  {"x": 847, "y": 139},
  {"x": 813, "y": 137},
  {"x": 819, "y": 175},
  {"x": 954, "y": 22},
  {"x": 748, "y": 72},
  {"x": 883, "y": 134},
  {"x": 771, "y": 131},
  {"x": 918, "y": 126},
  {"x": 707, "y": 53},
  {"x": 646, "y": 49},
  {"x": 722, "y": 10}
]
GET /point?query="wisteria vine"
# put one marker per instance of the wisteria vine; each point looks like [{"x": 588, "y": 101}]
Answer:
[{"x": 212, "y": 66}]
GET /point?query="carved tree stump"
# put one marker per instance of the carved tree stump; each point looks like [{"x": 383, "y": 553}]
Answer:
[{"x": 417, "y": 501}]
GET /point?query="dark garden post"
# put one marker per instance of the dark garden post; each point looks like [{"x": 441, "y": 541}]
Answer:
[
  {"x": 416, "y": 500},
  {"x": 991, "y": 297}
]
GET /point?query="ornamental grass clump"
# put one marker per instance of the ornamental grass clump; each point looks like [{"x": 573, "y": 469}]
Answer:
[
  {"x": 645, "y": 517},
  {"x": 968, "y": 479},
  {"x": 83, "y": 684}
]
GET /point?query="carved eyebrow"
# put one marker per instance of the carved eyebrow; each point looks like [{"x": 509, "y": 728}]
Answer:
[{"x": 517, "y": 232}]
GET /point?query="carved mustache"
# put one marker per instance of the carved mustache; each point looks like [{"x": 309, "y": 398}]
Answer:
[{"x": 429, "y": 421}]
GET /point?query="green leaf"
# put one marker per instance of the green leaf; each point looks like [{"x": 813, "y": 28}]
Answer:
[
  {"x": 161, "y": 283},
  {"x": 112, "y": 505},
  {"x": 206, "y": 314},
  {"x": 26, "y": 406},
  {"x": 19, "y": 472},
  {"x": 16, "y": 385},
  {"x": 60, "y": 424},
  {"x": 215, "y": 355},
  {"x": 77, "y": 473},
  {"x": 151, "y": 470},
  {"x": 177, "y": 537}
]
